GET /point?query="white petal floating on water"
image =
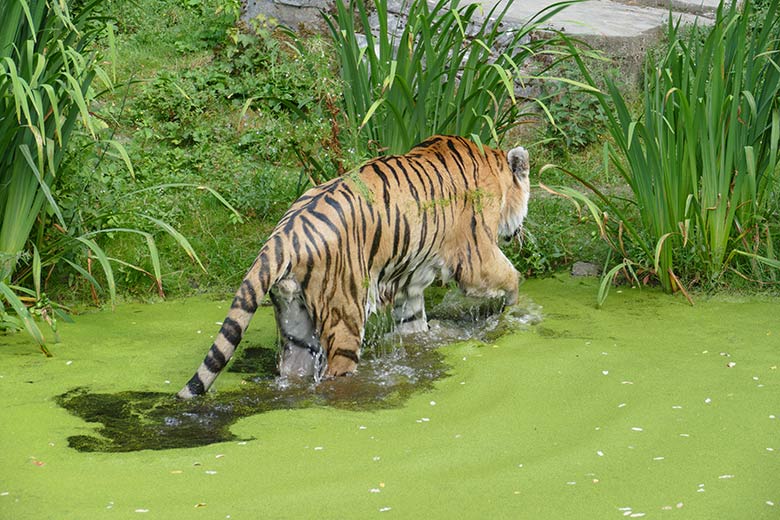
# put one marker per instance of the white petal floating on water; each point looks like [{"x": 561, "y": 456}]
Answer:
[
  {"x": 141, "y": 510},
  {"x": 708, "y": 400},
  {"x": 600, "y": 453},
  {"x": 637, "y": 429},
  {"x": 722, "y": 477},
  {"x": 383, "y": 509}
]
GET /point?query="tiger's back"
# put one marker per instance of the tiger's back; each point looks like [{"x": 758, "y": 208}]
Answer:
[{"x": 378, "y": 237}]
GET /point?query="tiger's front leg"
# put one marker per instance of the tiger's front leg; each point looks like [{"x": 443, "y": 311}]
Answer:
[{"x": 496, "y": 276}]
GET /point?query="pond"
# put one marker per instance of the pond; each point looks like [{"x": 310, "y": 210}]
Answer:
[{"x": 646, "y": 408}]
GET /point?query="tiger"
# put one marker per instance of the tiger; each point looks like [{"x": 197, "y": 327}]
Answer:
[{"x": 377, "y": 237}]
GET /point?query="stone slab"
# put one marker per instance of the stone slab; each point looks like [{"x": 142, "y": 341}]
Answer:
[{"x": 600, "y": 18}]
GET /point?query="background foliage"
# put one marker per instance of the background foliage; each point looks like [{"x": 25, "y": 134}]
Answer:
[{"x": 700, "y": 158}]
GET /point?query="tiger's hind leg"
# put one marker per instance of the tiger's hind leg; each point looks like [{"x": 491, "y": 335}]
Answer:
[
  {"x": 409, "y": 312},
  {"x": 409, "y": 301},
  {"x": 301, "y": 353},
  {"x": 342, "y": 334}
]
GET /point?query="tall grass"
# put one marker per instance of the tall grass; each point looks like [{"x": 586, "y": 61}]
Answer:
[
  {"x": 46, "y": 71},
  {"x": 701, "y": 159},
  {"x": 49, "y": 75},
  {"x": 438, "y": 74}
]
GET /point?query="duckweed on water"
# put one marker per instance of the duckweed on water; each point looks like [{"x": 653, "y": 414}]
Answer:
[
  {"x": 646, "y": 408},
  {"x": 392, "y": 369}
]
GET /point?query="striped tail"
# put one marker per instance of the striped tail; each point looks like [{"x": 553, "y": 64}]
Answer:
[{"x": 271, "y": 265}]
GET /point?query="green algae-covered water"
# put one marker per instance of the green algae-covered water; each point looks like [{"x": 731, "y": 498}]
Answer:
[{"x": 647, "y": 408}]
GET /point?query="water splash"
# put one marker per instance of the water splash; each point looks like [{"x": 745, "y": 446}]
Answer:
[{"x": 393, "y": 368}]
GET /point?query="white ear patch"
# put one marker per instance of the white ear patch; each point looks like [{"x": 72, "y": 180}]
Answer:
[{"x": 519, "y": 162}]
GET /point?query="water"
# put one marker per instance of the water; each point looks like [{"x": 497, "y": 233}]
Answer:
[{"x": 393, "y": 368}]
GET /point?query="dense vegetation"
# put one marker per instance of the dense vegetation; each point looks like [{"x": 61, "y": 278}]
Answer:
[{"x": 189, "y": 134}]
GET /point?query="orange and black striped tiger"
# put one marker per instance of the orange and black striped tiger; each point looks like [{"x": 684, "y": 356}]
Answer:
[{"x": 377, "y": 237}]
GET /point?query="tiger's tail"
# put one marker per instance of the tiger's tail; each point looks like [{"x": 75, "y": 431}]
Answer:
[{"x": 272, "y": 264}]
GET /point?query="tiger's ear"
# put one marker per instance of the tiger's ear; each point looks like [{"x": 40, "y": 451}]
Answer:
[{"x": 518, "y": 161}]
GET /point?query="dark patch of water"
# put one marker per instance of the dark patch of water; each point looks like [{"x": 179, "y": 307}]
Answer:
[{"x": 392, "y": 369}]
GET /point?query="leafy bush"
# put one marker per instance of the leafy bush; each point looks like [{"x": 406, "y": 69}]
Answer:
[
  {"x": 577, "y": 119},
  {"x": 702, "y": 159}
]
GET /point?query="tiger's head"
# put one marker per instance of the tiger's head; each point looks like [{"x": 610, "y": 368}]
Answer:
[{"x": 515, "y": 200}]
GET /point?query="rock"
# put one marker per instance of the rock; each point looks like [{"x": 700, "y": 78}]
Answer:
[{"x": 585, "y": 269}]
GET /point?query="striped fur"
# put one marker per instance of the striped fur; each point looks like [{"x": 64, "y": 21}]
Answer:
[{"x": 378, "y": 237}]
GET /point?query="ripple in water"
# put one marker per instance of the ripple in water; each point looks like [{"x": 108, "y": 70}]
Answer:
[{"x": 393, "y": 367}]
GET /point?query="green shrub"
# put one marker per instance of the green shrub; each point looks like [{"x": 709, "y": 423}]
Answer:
[{"x": 577, "y": 119}]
